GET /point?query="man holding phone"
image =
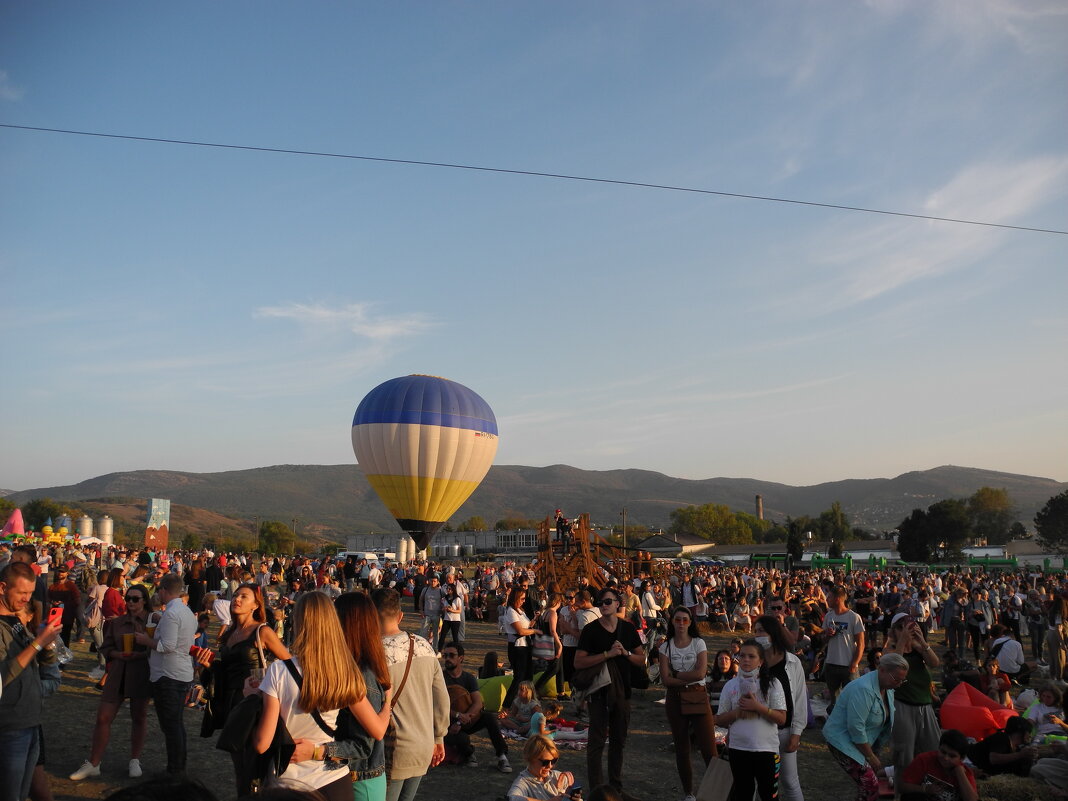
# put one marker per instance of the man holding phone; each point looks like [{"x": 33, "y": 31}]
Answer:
[{"x": 20, "y": 705}]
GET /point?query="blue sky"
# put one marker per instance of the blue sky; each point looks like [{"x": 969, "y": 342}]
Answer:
[{"x": 173, "y": 307}]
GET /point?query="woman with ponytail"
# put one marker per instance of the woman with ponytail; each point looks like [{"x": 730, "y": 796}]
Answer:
[{"x": 753, "y": 706}]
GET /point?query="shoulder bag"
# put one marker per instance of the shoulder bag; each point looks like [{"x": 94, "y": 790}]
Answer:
[
  {"x": 544, "y": 644},
  {"x": 693, "y": 698}
]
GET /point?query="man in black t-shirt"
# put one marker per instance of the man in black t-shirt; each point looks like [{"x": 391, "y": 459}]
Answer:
[
  {"x": 613, "y": 641},
  {"x": 467, "y": 712}
]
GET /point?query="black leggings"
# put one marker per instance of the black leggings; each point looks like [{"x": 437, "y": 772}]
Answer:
[
  {"x": 749, "y": 768},
  {"x": 448, "y": 626},
  {"x": 519, "y": 657},
  {"x": 552, "y": 668}
]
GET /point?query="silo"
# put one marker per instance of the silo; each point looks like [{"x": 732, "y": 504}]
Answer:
[
  {"x": 421, "y": 555},
  {"x": 63, "y": 521},
  {"x": 402, "y": 550},
  {"x": 760, "y": 507},
  {"x": 85, "y": 527},
  {"x": 454, "y": 550},
  {"x": 469, "y": 551},
  {"x": 105, "y": 529}
]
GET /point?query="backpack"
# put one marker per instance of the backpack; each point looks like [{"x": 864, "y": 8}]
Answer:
[{"x": 94, "y": 616}]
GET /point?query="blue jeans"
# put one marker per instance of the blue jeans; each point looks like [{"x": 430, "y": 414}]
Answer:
[
  {"x": 169, "y": 697},
  {"x": 18, "y": 756},
  {"x": 403, "y": 790}
]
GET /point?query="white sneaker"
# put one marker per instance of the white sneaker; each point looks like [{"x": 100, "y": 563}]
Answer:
[
  {"x": 85, "y": 771},
  {"x": 135, "y": 768},
  {"x": 503, "y": 765},
  {"x": 97, "y": 673}
]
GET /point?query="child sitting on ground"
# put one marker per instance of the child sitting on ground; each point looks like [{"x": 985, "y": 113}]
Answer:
[
  {"x": 539, "y": 721},
  {"x": 523, "y": 707}
]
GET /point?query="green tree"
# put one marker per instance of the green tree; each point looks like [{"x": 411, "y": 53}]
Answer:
[
  {"x": 914, "y": 538},
  {"x": 191, "y": 541},
  {"x": 758, "y": 528},
  {"x": 951, "y": 525},
  {"x": 990, "y": 512},
  {"x": 834, "y": 524},
  {"x": 37, "y": 511},
  {"x": 512, "y": 521},
  {"x": 795, "y": 539},
  {"x": 475, "y": 523},
  {"x": 835, "y": 550},
  {"x": 1051, "y": 523},
  {"x": 777, "y": 534},
  {"x": 7, "y": 506},
  {"x": 275, "y": 537},
  {"x": 1018, "y": 532},
  {"x": 712, "y": 521}
]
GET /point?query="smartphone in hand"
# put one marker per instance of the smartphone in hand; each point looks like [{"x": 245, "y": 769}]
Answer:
[{"x": 55, "y": 614}]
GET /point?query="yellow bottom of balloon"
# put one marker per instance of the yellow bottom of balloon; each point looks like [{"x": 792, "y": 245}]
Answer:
[{"x": 419, "y": 498}]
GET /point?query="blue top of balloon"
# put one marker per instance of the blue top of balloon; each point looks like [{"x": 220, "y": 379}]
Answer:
[{"x": 426, "y": 400}]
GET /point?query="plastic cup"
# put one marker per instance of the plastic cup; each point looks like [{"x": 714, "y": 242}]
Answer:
[
  {"x": 127, "y": 643},
  {"x": 150, "y": 629}
]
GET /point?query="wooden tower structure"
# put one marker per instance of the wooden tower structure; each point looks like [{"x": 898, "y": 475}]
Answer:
[{"x": 587, "y": 554}]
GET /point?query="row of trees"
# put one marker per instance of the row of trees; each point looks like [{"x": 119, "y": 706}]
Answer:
[
  {"x": 718, "y": 523},
  {"x": 986, "y": 517}
]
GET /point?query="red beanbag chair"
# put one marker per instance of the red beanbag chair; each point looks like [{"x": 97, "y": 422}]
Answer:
[{"x": 969, "y": 711}]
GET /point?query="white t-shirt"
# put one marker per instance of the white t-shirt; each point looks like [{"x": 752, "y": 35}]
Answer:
[
  {"x": 511, "y": 616},
  {"x": 566, "y": 613},
  {"x": 684, "y": 659},
  {"x": 277, "y": 683},
  {"x": 756, "y": 733}
]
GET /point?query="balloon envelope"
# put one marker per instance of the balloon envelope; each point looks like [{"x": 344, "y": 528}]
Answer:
[{"x": 425, "y": 444}]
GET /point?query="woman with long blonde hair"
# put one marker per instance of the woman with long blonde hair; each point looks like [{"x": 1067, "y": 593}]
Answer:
[
  {"x": 329, "y": 681},
  {"x": 368, "y": 721}
]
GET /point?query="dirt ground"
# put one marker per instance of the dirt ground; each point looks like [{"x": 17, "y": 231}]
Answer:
[{"x": 649, "y": 772}]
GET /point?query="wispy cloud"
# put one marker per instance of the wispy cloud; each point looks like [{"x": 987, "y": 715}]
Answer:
[
  {"x": 355, "y": 317},
  {"x": 872, "y": 260},
  {"x": 8, "y": 90},
  {"x": 1031, "y": 24}
]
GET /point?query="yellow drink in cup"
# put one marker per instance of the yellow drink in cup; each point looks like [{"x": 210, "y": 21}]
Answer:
[
  {"x": 127, "y": 643},
  {"x": 150, "y": 629}
]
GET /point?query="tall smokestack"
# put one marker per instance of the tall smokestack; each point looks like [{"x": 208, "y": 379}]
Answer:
[{"x": 760, "y": 507}]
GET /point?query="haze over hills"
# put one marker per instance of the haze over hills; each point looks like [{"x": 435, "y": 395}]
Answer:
[{"x": 336, "y": 500}]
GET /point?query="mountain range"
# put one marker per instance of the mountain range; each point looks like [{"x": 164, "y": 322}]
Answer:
[{"x": 331, "y": 501}]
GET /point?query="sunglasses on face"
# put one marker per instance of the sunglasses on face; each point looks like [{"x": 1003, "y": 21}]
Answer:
[
  {"x": 607, "y": 602},
  {"x": 548, "y": 763},
  {"x": 137, "y": 598}
]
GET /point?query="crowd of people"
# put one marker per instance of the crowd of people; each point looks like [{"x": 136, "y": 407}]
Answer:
[{"x": 334, "y": 691}]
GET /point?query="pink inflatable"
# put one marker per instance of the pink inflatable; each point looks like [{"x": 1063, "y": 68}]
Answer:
[{"x": 969, "y": 711}]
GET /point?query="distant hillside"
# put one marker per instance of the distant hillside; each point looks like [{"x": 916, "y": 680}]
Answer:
[{"x": 335, "y": 500}]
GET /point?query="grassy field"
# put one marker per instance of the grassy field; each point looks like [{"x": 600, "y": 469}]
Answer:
[{"x": 649, "y": 773}]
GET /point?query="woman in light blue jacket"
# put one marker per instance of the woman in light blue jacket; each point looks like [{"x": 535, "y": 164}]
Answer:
[{"x": 862, "y": 721}]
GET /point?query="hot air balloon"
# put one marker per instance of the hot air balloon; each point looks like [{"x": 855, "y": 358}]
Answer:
[{"x": 425, "y": 444}]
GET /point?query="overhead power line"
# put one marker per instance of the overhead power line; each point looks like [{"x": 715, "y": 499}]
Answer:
[{"x": 534, "y": 173}]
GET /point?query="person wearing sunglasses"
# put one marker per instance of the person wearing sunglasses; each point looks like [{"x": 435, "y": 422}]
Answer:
[
  {"x": 540, "y": 781},
  {"x": 610, "y": 640},
  {"x": 127, "y": 677}
]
